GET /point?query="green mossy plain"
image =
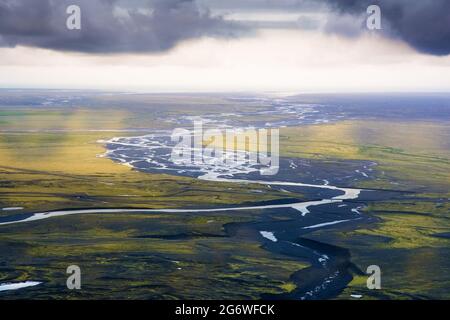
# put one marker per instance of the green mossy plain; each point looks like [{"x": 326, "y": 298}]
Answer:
[
  {"x": 122, "y": 258},
  {"x": 44, "y": 171},
  {"x": 410, "y": 156}
]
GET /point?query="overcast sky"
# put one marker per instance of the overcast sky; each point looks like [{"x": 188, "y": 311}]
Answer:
[{"x": 285, "y": 46}]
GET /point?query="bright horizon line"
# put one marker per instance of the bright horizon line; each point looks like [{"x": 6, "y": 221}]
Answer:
[{"x": 263, "y": 92}]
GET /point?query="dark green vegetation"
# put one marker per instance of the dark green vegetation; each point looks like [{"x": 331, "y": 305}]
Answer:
[
  {"x": 411, "y": 242},
  {"x": 121, "y": 255},
  {"x": 142, "y": 257},
  {"x": 48, "y": 160}
]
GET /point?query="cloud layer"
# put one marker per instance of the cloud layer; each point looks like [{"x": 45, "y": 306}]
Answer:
[
  {"x": 106, "y": 27},
  {"x": 424, "y": 24},
  {"x": 134, "y": 26}
]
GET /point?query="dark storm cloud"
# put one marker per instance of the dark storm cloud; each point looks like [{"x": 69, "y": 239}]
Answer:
[
  {"x": 121, "y": 26},
  {"x": 424, "y": 24},
  {"x": 264, "y": 5},
  {"x": 158, "y": 25}
]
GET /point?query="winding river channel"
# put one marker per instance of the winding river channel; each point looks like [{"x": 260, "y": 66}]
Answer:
[{"x": 331, "y": 204}]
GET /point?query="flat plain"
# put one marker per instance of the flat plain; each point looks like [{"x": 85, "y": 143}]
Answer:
[{"x": 51, "y": 158}]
